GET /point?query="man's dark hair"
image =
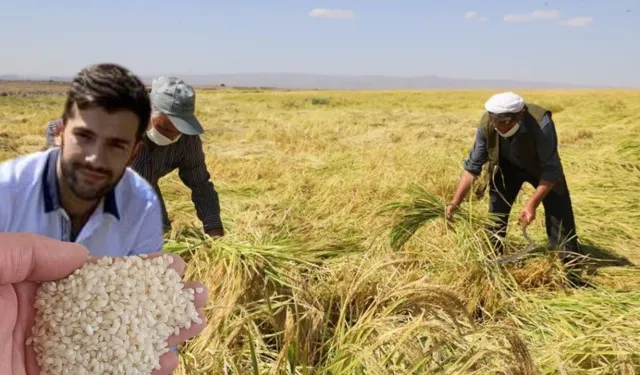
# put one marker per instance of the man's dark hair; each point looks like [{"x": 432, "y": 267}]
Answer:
[{"x": 111, "y": 87}]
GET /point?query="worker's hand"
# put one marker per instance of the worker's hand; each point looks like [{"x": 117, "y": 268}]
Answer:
[
  {"x": 527, "y": 215},
  {"x": 25, "y": 260},
  {"x": 216, "y": 232},
  {"x": 450, "y": 210}
]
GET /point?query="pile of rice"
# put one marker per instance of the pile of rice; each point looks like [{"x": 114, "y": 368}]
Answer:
[{"x": 113, "y": 316}]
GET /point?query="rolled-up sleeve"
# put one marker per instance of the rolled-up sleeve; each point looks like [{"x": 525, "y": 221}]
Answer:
[
  {"x": 547, "y": 146},
  {"x": 478, "y": 155}
]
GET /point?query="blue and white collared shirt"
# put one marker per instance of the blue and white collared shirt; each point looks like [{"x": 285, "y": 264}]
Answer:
[{"x": 127, "y": 221}]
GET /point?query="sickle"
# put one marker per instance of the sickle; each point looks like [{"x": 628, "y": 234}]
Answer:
[{"x": 519, "y": 255}]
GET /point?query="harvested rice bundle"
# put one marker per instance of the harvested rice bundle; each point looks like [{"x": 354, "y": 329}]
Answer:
[{"x": 113, "y": 316}]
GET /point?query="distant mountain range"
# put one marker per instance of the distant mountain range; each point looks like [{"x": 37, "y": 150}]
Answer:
[{"x": 364, "y": 82}]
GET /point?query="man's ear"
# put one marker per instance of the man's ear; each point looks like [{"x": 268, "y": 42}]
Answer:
[
  {"x": 134, "y": 154},
  {"x": 59, "y": 128},
  {"x": 58, "y": 133}
]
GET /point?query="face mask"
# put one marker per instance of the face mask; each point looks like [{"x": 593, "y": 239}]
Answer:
[
  {"x": 510, "y": 132},
  {"x": 159, "y": 139}
]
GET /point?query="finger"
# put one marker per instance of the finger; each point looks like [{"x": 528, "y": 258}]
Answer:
[
  {"x": 187, "y": 334},
  {"x": 33, "y": 257},
  {"x": 200, "y": 299},
  {"x": 177, "y": 265},
  {"x": 201, "y": 294},
  {"x": 26, "y": 294},
  {"x": 9, "y": 306},
  {"x": 168, "y": 364}
]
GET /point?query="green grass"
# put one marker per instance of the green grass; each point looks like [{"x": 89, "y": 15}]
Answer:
[{"x": 338, "y": 259}]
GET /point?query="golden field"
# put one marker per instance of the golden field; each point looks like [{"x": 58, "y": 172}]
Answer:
[{"x": 307, "y": 281}]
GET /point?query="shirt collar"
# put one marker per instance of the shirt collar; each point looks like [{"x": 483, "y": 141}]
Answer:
[{"x": 51, "y": 192}]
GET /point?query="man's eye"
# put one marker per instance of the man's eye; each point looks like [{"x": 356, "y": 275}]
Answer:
[{"x": 118, "y": 146}]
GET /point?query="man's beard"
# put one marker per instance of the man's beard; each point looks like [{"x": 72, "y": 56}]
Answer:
[{"x": 70, "y": 170}]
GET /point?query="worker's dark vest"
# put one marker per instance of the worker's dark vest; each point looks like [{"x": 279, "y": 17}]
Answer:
[{"x": 526, "y": 145}]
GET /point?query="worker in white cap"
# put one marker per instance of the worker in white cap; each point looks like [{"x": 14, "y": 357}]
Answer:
[{"x": 518, "y": 142}]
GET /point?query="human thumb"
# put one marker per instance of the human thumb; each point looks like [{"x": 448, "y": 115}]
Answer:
[{"x": 33, "y": 257}]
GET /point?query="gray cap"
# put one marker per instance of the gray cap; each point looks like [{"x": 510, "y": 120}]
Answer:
[{"x": 176, "y": 99}]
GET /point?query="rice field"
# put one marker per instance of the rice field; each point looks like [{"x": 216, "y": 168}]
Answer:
[{"x": 317, "y": 274}]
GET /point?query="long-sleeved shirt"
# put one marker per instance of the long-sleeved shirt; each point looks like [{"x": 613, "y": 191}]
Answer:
[
  {"x": 154, "y": 162},
  {"x": 546, "y": 144}
]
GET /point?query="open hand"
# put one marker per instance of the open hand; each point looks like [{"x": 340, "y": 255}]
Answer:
[{"x": 27, "y": 259}]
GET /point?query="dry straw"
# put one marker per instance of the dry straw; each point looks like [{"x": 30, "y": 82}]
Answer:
[{"x": 305, "y": 282}]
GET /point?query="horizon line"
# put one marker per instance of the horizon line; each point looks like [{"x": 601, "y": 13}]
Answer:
[{"x": 146, "y": 76}]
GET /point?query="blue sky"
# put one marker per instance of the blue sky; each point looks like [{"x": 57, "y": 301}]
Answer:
[{"x": 579, "y": 41}]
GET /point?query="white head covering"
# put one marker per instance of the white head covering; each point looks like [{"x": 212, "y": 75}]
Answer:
[{"x": 506, "y": 102}]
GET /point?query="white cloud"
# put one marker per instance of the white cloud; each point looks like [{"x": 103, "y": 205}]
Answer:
[
  {"x": 577, "y": 22},
  {"x": 474, "y": 15},
  {"x": 536, "y": 15},
  {"x": 332, "y": 13}
]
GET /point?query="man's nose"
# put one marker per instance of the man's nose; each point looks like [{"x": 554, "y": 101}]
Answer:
[{"x": 97, "y": 155}]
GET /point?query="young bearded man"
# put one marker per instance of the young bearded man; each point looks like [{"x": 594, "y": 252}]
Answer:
[{"x": 83, "y": 191}]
